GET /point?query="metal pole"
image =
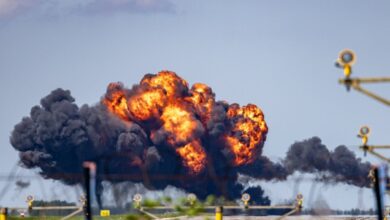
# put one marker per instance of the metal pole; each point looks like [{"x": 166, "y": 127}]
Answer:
[
  {"x": 370, "y": 94},
  {"x": 3, "y": 213},
  {"x": 373, "y": 80},
  {"x": 378, "y": 194},
  {"x": 287, "y": 214},
  {"x": 219, "y": 213},
  {"x": 80, "y": 210},
  {"x": 379, "y": 156},
  {"x": 355, "y": 83},
  {"x": 87, "y": 185}
]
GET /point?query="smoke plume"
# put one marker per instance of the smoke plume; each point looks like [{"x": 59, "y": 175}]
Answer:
[
  {"x": 163, "y": 133},
  {"x": 340, "y": 165}
]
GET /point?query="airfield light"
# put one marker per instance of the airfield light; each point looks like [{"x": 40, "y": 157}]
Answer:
[
  {"x": 83, "y": 201},
  {"x": 137, "y": 199},
  {"x": 299, "y": 201},
  {"x": 191, "y": 198},
  {"x": 245, "y": 198},
  {"x": 345, "y": 60},
  {"x": 364, "y": 133},
  {"x": 30, "y": 200}
]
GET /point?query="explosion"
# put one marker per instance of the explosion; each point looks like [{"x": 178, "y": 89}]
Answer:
[
  {"x": 193, "y": 156},
  {"x": 161, "y": 132},
  {"x": 116, "y": 102},
  {"x": 251, "y": 129},
  {"x": 181, "y": 115}
]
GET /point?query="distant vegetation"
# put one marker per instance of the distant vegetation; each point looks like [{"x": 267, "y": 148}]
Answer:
[
  {"x": 341, "y": 212},
  {"x": 40, "y": 203}
]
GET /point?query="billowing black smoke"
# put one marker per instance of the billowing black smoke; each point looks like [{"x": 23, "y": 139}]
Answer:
[
  {"x": 339, "y": 165},
  {"x": 59, "y": 136},
  {"x": 257, "y": 196}
]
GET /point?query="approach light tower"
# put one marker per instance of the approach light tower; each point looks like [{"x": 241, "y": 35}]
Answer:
[
  {"x": 364, "y": 133},
  {"x": 377, "y": 174},
  {"x": 345, "y": 61}
]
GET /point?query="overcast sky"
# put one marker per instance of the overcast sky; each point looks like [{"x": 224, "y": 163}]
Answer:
[{"x": 276, "y": 54}]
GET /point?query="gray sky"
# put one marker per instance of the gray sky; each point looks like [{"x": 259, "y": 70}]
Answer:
[{"x": 276, "y": 54}]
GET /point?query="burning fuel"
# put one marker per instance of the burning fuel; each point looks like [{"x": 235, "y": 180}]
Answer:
[
  {"x": 178, "y": 117},
  {"x": 162, "y": 132}
]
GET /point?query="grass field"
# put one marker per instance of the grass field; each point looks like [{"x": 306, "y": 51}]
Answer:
[{"x": 114, "y": 217}]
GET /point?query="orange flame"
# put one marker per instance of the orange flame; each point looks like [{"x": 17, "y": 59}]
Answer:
[
  {"x": 166, "y": 80},
  {"x": 117, "y": 103},
  {"x": 180, "y": 123},
  {"x": 182, "y": 115},
  {"x": 193, "y": 156},
  {"x": 202, "y": 98},
  {"x": 252, "y": 129},
  {"x": 146, "y": 105}
]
